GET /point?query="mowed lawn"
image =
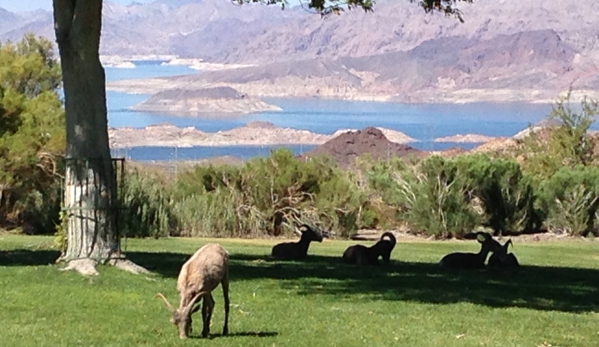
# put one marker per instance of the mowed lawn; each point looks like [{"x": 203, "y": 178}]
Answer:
[{"x": 553, "y": 300}]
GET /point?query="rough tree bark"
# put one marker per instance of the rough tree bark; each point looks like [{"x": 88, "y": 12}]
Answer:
[{"x": 90, "y": 183}]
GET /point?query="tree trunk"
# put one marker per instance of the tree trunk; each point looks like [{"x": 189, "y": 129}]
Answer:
[{"x": 90, "y": 183}]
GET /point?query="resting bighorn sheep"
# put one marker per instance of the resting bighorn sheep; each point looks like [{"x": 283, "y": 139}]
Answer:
[
  {"x": 362, "y": 255},
  {"x": 504, "y": 259},
  {"x": 460, "y": 260},
  {"x": 298, "y": 250},
  {"x": 199, "y": 276}
]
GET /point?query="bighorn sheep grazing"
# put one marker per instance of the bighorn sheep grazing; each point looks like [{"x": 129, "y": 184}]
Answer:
[
  {"x": 298, "y": 250},
  {"x": 199, "y": 276},
  {"x": 503, "y": 260},
  {"x": 460, "y": 260},
  {"x": 362, "y": 255}
]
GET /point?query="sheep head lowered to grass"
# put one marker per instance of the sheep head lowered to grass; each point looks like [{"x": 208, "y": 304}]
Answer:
[
  {"x": 461, "y": 260},
  {"x": 199, "y": 276},
  {"x": 298, "y": 250}
]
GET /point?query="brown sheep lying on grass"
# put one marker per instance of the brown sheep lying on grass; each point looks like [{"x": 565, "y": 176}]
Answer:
[
  {"x": 298, "y": 250},
  {"x": 504, "y": 260},
  {"x": 362, "y": 255},
  {"x": 462, "y": 260}
]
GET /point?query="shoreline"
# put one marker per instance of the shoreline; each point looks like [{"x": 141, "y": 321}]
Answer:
[
  {"x": 253, "y": 134},
  {"x": 151, "y": 86}
]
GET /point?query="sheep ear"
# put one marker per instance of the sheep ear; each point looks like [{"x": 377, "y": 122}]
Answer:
[{"x": 303, "y": 228}]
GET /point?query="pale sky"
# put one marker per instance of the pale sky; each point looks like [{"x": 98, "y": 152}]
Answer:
[{"x": 29, "y": 5}]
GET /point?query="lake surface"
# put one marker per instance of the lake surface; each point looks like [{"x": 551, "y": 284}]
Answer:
[{"x": 423, "y": 122}]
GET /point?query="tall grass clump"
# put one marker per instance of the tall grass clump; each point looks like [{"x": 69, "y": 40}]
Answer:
[
  {"x": 147, "y": 206},
  {"x": 571, "y": 199},
  {"x": 429, "y": 197},
  {"x": 505, "y": 194},
  {"x": 267, "y": 196}
]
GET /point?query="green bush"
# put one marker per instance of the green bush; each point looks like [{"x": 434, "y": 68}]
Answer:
[
  {"x": 569, "y": 144},
  {"x": 506, "y": 194},
  {"x": 32, "y": 135},
  {"x": 266, "y": 196},
  {"x": 147, "y": 207},
  {"x": 429, "y": 197},
  {"x": 571, "y": 199}
]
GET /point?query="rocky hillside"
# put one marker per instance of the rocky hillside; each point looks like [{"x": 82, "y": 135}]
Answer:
[
  {"x": 505, "y": 51},
  {"x": 527, "y": 66},
  {"x": 346, "y": 147},
  {"x": 218, "y": 30}
]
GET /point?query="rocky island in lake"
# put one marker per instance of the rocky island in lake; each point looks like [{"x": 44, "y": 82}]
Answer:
[
  {"x": 465, "y": 138},
  {"x": 252, "y": 134},
  {"x": 189, "y": 102}
]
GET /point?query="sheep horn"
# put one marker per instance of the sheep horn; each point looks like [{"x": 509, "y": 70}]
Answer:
[
  {"x": 191, "y": 303},
  {"x": 168, "y": 304}
]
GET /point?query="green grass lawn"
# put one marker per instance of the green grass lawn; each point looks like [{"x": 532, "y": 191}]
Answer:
[{"x": 552, "y": 300}]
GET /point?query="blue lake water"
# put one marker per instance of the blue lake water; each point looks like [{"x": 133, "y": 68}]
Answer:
[{"x": 423, "y": 122}]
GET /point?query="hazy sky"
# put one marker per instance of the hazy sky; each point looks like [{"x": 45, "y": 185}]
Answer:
[{"x": 28, "y": 5}]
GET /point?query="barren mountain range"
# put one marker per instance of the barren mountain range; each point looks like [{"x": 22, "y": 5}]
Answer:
[
  {"x": 218, "y": 30},
  {"x": 505, "y": 51},
  {"x": 525, "y": 66}
]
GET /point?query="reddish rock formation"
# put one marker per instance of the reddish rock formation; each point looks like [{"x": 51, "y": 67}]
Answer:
[{"x": 346, "y": 147}]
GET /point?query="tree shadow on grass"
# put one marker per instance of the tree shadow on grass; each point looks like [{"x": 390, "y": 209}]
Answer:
[
  {"x": 28, "y": 257},
  {"x": 534, "y": 287}
]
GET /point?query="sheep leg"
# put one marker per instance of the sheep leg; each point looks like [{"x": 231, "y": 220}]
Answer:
[
  {"x": 225, "y": 284},
  {"x": 386, "y": 257},
  {"x": 205, "y": 322},
  {"x": 194, "y": 310},
  {"x": 207, "y": 314}
]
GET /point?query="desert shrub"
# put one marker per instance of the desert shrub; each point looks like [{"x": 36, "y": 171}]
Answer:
[
  {"x": 385, "y": 192},
  {"x": 267, "y": 196},
  {"x": 40, "y": 209},
  {"x": 32, "y": 135},
  {"x": 429, "y": 197},
  {"x": 342, "y": 206},
  {"x": 506, "y": 195},
  {"x": 219, "y": 213},
  {"x": 571, "y": 199},
  {"x": 568, "y": 144},
  {"x": 147, "y": 206}
]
